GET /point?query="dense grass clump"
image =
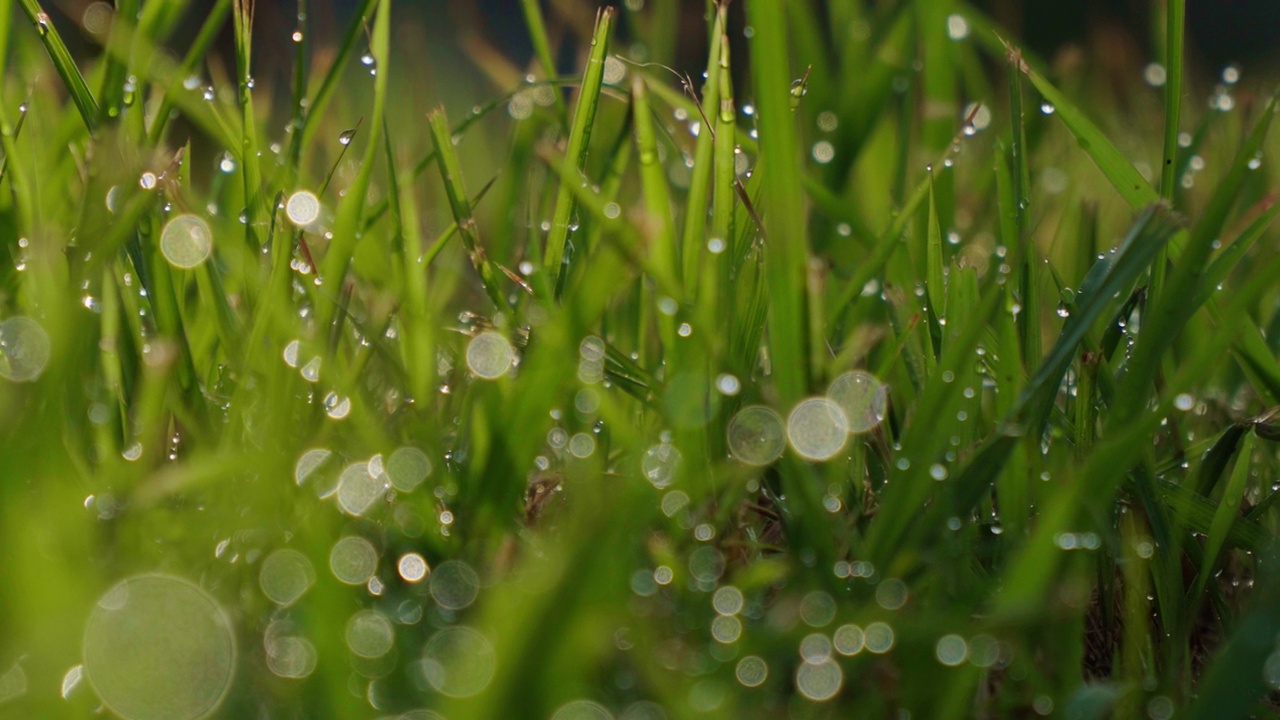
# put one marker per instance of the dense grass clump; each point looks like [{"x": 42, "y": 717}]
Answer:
[{"x": 885, "y": 370}]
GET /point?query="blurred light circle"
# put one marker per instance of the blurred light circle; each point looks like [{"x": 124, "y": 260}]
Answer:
[
  {"x": 862, "y": 397},
  {"x": 24, "y": 349},
  {"x": 817, "y": 429},
  {"x": 459, "y": 662},
  {"x": 303, "y": 208},
  {"x": 370, "y": 634},
  {"x": 582, "y": 710},
  {"x": 407, "y": 468},
  {"x": 489, "y": 355},
  {"x": 285, "y": 576},
  {"x": 454, "y": 585},
  {"x": 353, "y": 560},
  {"x": 157, "y": 647},
  {"x": 756, "y": 435},
  {"x": 819, "y": 681},
  {"x": 186, "y": 241}
]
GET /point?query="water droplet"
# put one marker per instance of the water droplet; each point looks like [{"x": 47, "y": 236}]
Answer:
[{"x": 957, "y": 27}]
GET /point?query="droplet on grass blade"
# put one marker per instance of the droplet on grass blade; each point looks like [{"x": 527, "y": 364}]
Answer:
[
  {"x": 157, "y": 647},
  {"x": 817, "y": 429},
  {"x": 186, "y": 241},
  {"x": 756, "y": 435}
]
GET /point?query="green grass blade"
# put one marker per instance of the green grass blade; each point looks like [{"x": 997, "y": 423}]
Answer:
[
  {"x": 542, "y": 49},
  {"x": 786, "y": 249},
  {"x": 63, "y": 63},
  {"x": 329, "y": 84},
  {"x": 459, "y": 201},
  {"x": 653, "y": 178},
  {"x": 1121, "y": 173},
  {"x": 346, "y": 222},
  {"x": 695, "y": 219},
  {"x": 584, "y": 115}
]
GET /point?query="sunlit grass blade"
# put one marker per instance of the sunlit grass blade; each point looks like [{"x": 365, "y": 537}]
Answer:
[
  {"x": 63, "y": 63},
  {"x": 584, "y": 115},
  {"x": 786, "y": 250}
]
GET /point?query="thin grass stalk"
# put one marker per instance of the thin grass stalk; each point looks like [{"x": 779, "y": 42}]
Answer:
[{"x": 579, "y": 140}]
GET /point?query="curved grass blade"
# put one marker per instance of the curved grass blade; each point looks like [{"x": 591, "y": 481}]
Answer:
[{"x": 63, "y": 63}]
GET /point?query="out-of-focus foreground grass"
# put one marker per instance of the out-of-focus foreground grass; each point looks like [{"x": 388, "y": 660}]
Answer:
[{"x": 885, "y": 370}]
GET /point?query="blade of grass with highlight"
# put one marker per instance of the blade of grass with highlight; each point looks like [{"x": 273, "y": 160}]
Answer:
[
  {"x": 695, "y": 219},
  {"x": 584, "y": 115},
  {"x": 63, "y": 63},
  {"x": 346, "y": 224},
  {"x": 1175, "y": 32},
  {"x": 786, "y": 251}
]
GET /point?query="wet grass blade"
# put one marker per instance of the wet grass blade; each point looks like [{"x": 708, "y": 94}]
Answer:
[
  {"x": 695, "y": 219},
  {"x": 1117, "y": 168},
  {"x": 319, "y": 102},
  {"x": 63, "y": 63},
  {"x": 786, "y": 250},
  {"x": 584, "y": 115},
  {"x": 459, "y": 201},
  {"x": 347, "y": 218}
]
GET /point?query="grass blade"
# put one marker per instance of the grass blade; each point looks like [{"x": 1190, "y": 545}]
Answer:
[
  {"x": 584, "y": 115},
  {"x": 786, "y": 250},
  {"x": 63, "y": 63}
]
